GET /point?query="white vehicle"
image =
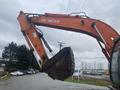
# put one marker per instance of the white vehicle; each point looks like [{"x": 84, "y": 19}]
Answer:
[
  {"x": 16, "y": 73},
  {"x": 78, "y": 73}
]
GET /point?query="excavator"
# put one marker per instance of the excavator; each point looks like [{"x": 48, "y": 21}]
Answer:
[{"x": 62, "y": 65}]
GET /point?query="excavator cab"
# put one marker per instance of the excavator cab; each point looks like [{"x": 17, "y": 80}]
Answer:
[
  {"x": 115, "y": 64},
  {"x": 61, "y": 65}
]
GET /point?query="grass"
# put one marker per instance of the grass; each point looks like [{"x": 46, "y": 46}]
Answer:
[
  {"x": 5, "y": 76},
  {"x": 97, "y": 82}
]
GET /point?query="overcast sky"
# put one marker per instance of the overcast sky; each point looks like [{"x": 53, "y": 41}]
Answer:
[{"x": 82, "y": 45}]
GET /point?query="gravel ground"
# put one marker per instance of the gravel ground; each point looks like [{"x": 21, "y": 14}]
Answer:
[{"x": 41, "y": 81}]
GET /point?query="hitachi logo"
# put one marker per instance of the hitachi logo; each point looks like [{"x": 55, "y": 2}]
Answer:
[{"x": 50, "y": 21}]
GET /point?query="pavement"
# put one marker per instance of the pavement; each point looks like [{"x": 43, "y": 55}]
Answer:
[{"x": 41, "y": 81}]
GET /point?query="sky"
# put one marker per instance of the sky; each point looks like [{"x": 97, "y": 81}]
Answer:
[{"x": 82, "y": 45}]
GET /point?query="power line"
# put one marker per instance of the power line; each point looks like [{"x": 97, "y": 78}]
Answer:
[{"x": 83, "y": 4}]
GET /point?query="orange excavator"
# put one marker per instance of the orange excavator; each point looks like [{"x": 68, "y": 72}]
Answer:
[{"x": 61, "y": 65}]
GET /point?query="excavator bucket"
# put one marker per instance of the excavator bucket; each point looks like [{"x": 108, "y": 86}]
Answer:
[
  {"x": 61, "y": 65},
  {"x": 115, "y": 65}
]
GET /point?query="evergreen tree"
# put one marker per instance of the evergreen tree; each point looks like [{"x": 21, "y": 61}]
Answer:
[
  {"x": 26, "y": 58},
  {"x": 10, "y": 51},
  {"x": 20, "y": 57},
  {"x": 23, "y": 57}
]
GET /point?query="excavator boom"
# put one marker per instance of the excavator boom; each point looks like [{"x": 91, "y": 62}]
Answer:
[{"x": 95, "y": 28}]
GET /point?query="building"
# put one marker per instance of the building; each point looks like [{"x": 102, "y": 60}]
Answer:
[{"x": 1, "y": 69}]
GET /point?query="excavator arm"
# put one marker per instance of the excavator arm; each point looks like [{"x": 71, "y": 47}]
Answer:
[{"x": 105, "y": 35}]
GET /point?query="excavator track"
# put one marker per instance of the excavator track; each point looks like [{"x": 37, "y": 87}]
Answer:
[{"x": 61, "y": 65}]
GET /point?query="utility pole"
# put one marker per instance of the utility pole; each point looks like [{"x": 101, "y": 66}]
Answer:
[{"x": 60, "y": 44}]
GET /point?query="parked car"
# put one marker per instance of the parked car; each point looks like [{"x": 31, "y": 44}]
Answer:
[
  {"x": 16, "y": 73},
  {"x": 31, "y": 71}
]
